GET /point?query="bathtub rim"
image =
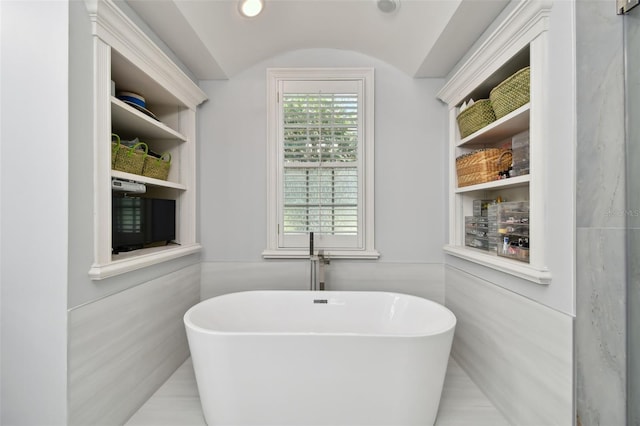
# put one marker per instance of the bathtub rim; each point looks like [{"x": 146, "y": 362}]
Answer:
[{"x": 451, "y": 324}]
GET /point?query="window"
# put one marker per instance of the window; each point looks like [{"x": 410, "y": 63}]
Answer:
[{"x": 320, "y": 162}]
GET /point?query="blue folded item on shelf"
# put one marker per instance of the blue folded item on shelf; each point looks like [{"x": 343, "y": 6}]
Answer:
[{"x": 137, "y": 101}]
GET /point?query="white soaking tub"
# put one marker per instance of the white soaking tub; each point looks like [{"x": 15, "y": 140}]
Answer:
[{"x": 319, "y": 358}]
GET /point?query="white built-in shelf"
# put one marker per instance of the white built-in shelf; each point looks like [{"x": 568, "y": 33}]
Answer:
[
  {"x": 125, "y": 57},
  {"x": 127, "y": 120},
  {"x": 518, "y": 42},
  {"x": 510, "y": 266},
  {"x": 514, "y": 182},
  {"x": 147, "y": 180},
  {"x": 513, "y": 123}
]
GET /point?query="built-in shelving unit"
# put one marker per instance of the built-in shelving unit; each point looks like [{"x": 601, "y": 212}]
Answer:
[
  {"x": 124, "y": 55},
  {"x": 520, "y": 41}
]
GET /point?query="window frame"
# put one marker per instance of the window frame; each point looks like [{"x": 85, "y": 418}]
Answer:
[{"x": 365, "y": 248}]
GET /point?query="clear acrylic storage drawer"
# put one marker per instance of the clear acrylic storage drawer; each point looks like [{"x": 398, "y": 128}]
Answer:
[{"x": 513, "y": 230}]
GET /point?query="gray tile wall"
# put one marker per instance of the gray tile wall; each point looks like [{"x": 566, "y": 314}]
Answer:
[
  {"x": 600, "y": 207},
  {"x": 519, "y": 352},
  {"x": 123, "y": 347},
  {"x": 632, "y": 34}
]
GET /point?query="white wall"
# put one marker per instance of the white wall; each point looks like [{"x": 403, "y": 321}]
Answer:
[
  {"x": 410, "y": 135},
  {"x": 34, "y": 217}
]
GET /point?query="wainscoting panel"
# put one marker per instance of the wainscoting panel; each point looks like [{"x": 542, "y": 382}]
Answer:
[
  {"x": 517, "y": 351},
  {"x": 419, "y": 279},
  {"x": 123, "y": 347}
]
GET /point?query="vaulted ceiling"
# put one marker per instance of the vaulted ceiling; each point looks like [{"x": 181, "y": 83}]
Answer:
[{"x": 423, "y": 38}]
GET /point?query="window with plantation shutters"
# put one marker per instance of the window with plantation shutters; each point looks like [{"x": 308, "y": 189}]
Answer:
[{"x": 320, "y": 147}]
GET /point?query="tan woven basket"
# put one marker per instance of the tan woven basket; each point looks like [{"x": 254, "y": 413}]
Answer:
[
  {"x": 114, "y": 148},
  {"x": 157, "y": 168},
  {"x": 131, "y": 159},
  {"x": 480, "y": 166},
  {"x": 474, "y": 118},
  {"x": 512, "y": 93}
]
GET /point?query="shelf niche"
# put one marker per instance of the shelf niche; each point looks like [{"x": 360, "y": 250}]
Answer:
[
  {"x": 123, "y": 54},
  {"x": 519, "y": 41}
]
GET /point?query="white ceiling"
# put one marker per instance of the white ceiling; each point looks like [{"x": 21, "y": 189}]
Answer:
[{"x": 423, "y": 38}]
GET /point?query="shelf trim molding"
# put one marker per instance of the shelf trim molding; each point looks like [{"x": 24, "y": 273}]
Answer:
[
  {"x": 507, "y": 266},
  {"x": 118, "y": 267},
  {"x": 529, "y": 19},
  {"x": 111, "y": 25}
]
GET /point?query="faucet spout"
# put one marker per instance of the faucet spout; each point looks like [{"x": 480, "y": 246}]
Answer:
[
  {"x": 316, "y": 267},
  {"x": 322, "y": 261},
  {"x": 312, "y": 266}
]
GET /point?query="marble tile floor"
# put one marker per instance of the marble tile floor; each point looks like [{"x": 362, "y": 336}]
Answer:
[{"x": 176, "y": 403}]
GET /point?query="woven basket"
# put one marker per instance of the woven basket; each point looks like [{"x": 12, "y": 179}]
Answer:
[
  {"x": 131, "y": 159},
  {"x": 114, "y": 148},
  {"x": 157, "y": 168},
  {"x": 505, "y": 160},
  {"x": 480, "y": 166},
  {"x": 512, "y": 93},
  {"x": 474, "y": 118}
]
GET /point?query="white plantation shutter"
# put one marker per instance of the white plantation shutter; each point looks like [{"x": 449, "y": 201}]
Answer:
[
  {"x": 321, "y": 142},
  {"x": 320, "y": 148},
  {"x": 321, "y": 134},
  {"x": 321, "y": 200}
]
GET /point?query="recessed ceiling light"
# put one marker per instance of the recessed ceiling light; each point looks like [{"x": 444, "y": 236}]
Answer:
[
  {"x": 251, "y": 8},
  {"x": 387, "y": 6}
]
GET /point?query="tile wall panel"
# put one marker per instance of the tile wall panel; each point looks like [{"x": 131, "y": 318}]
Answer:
[
  {"x": 601, "y": 215},
  {"x": 123, "y": 347},
  {"x": 519, "y": 352},
  {"x": 601, "y": 327}
]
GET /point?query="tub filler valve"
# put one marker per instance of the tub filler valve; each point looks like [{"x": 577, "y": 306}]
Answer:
[{"x": 318, "y": 262}]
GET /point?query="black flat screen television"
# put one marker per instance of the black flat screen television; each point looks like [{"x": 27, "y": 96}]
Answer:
[{"x": 139, "y": 222}]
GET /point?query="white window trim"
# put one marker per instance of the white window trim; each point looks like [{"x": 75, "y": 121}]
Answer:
[{"x": 274, "y": 77}]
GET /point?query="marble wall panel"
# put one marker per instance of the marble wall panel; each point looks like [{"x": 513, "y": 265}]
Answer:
[
  {"x": 123, "y": 347},
  {"x": 600, "y": 200},
  {"x": 632, "y": 34},
  {"x": 519, "y": 352},
  {"x": 600, "y": 327},
  {"x": 424, "y": 280},
  {"x": 633, "y": 330},
  {"x": 602, "y": 215}
]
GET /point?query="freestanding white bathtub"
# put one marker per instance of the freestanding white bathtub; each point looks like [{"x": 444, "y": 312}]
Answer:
[{"x": 319, "y": 358}]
